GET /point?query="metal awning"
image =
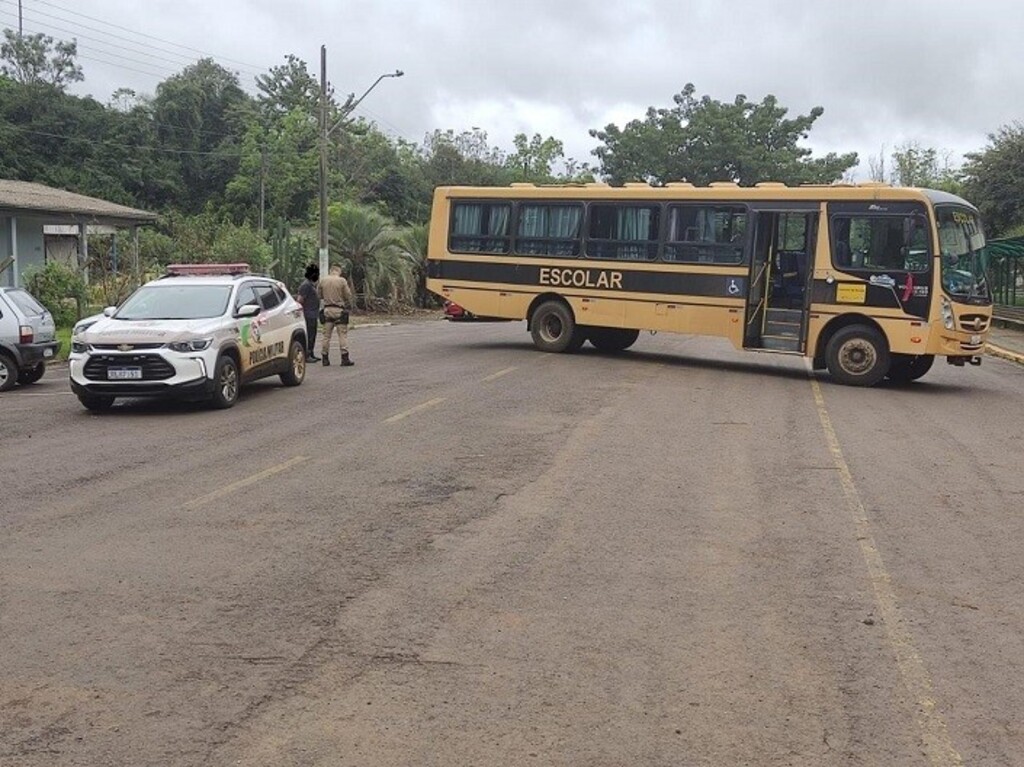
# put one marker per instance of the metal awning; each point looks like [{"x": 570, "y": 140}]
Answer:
[{"x": 26, "y": 198}]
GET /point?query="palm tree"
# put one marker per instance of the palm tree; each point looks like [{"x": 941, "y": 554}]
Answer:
[
  {"x": 413, "y": 248},
  {"x": 366, "y": 242}
]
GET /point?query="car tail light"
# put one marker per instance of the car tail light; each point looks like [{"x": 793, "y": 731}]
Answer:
[{"x": 25, "y": 334}]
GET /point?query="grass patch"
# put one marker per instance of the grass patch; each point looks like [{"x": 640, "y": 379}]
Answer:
[{"x": 64, "y": 336}]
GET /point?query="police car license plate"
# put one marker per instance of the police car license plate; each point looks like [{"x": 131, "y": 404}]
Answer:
[{"x": 124, "y": 374}]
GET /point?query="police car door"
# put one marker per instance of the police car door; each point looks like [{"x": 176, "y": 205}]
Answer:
[
  {"x": 276, "y": 324},
  {"x": 249, "y": 329}
]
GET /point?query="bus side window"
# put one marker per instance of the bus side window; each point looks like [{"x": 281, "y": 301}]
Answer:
[
  {"x": 883, "y": 243},
  {"x": 480, "y": 227}
]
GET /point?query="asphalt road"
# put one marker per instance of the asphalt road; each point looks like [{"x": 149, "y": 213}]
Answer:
[{"x": 465, "y": 552}]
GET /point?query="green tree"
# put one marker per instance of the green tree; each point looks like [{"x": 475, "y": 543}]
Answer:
[
  {"x": 201, "y": 116},
  {"x": 994, "y": 179},
  {"x": 534, "y": 158},
  {"x": 288, "y": 88},
  {"x": 285, "y": 159},
  {"x": 39, "y": 60},
  {"x": 915, "y": 165},
  {"x": 703, "y": 140},
  {"x": 366, "y": 243}
]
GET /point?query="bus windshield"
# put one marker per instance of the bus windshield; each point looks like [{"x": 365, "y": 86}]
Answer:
[{"x": 962, "y": 246}]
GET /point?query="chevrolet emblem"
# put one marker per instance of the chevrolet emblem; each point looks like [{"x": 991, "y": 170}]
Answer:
[{"x": 125, "y": 348}]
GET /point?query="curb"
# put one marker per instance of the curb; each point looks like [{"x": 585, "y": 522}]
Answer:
[{"x": 1006, "y": 354}]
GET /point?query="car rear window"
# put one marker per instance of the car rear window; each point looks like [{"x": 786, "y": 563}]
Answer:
[{"x": 24, "y": 301}]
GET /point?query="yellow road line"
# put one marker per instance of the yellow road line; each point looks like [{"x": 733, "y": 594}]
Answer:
[
  {"x": 412, "y": 410},
  {"x": 499, "y": 374},
  {"x": 937, "y": 743},
  {"x": 234, "y": 486}
]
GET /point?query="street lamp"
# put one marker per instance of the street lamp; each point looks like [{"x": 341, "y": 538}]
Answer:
[{"x": 324, "y": 133}]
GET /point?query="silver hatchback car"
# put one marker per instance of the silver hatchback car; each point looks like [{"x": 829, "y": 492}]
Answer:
[{"x": 27, "y": 338}]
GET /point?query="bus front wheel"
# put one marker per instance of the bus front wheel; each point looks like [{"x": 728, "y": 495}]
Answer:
[
  {"x": 554, "y": 328},
  {"x": 857, "y": 355}
]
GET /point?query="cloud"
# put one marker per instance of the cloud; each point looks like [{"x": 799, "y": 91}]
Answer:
[{"x": 942, "y": 73}]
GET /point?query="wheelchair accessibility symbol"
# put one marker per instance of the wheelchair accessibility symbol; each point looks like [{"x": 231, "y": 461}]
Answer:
[{"x": 734, "y": 288}]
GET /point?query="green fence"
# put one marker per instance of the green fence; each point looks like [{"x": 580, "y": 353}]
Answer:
[{"x": 1006, "y": 270}]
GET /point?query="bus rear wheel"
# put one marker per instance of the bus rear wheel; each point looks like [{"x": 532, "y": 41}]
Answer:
[
  {"x": 554, "y": 328},
  {"x": 909, "y": 367},
  {"x": 612, "y": 339},
  {"x": 857, "y": 355}
]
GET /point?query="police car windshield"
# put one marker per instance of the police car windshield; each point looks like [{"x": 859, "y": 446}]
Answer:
[{"x": 175, "y": 302}]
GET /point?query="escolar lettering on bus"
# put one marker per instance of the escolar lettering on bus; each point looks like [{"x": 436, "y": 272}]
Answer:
[{"x": 580, "y": 278}]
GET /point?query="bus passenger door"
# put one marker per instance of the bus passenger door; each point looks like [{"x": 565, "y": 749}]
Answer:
[{"x": 781, "y": 268}]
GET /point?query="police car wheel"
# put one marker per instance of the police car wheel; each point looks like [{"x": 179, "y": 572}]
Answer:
[
  {"x": 296, "y": 372},
  {"x": 226, "y": 383}
]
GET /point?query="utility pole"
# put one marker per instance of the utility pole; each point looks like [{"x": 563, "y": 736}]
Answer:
[
  {"x": 323, "y": 160},
  {"x": 325, "y": 133},
  {"x": 19, "y": 20},
  {"x": 263, "y": 184}
]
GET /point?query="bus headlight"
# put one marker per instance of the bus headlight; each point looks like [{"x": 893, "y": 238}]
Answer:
[{"x": 947, "y": 313}]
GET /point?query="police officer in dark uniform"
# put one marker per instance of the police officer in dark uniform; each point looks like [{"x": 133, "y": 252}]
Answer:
[{"x": 310, "y": 301}]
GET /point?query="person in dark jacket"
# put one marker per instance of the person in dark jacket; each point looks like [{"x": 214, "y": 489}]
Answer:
[{"x": 310, "y": 300}]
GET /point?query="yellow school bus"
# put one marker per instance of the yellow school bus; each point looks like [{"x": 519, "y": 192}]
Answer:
[{"x": 869, "y": 281}]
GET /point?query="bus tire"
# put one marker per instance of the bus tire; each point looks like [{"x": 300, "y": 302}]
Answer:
[
  {"x": 554, "y": 328},
  {"x": 857, "y": 355},
  {"x": 613, "y": 339},
  {"x": 905, "y": 368}
]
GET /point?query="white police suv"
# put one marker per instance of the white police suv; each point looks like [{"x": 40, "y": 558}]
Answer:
[{"x": 199, "y": 332}]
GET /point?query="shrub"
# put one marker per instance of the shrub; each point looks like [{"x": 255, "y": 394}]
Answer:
[{"x": 60, "y": 289}]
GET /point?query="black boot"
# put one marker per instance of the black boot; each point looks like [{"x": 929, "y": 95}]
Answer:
[
  {"x": 326, "y": 360},
  {"x": 345, "y": 361},
  {"x": 311, "y": 356}
]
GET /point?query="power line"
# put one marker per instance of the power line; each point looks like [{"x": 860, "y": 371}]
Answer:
[
  {"x": 118, "y": 144},
  {"x": 124, "y": 41},
  {"x": 98, "y": 46},
  {"x": 206, "y": 54}
]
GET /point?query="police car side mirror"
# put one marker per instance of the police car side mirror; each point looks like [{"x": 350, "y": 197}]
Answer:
[
  {"x": 248, "y": 310},
  {"x": 109, "y": 311}
]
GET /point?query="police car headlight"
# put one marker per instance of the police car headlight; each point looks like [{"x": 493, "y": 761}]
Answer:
[
  {"x": 81, "y": 327},
  {"x": 77, "y": 347},
  {"x": 197, "y": 345},
  {"x": 946, "y": 308}
]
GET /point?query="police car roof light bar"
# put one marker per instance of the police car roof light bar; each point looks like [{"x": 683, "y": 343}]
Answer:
[{"x": 194, "y": 270}]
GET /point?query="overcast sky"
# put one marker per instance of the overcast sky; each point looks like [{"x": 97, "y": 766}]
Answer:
[{"x": 944, "y": 74}]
